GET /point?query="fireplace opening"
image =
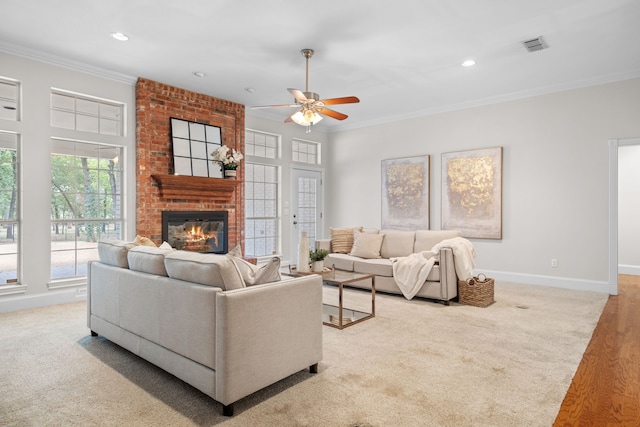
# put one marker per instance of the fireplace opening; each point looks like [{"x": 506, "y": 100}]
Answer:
[{"x": 197, "y": 231}]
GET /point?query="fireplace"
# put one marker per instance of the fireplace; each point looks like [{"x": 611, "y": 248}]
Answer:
[{"x": 197, "y": 231}]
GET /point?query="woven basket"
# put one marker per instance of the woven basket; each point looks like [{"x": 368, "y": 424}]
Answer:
[{"x": 476, "y": 291}]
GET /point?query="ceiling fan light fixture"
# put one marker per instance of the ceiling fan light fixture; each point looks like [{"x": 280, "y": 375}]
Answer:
[{"x": 306, "y": 117}]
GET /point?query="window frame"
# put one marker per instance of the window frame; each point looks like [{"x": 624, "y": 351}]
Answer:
[
  {"x": 15, "y": 286},
  {"x": 118, "y": 196},
  {"x": 101, "y": 104},
  {"x": 276, "y": 162}
]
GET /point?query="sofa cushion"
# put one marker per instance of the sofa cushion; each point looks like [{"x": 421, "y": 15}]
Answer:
[
  {"x": 342, "y": 239},
  {"x": 206, "y": 269},
  {"x": 384, "y": 268},
  {"x": 379, "y": 267},
  {"x": 427, "y": 239},
  {"x": 148, "y": 259},
  {"x": 397, "y": 243},
  {"x": 366, "y": 245},
  {"x": 340, "y": 261},
  {"x": 114, "y": 252},
  {"x": 254, "y": 275}
]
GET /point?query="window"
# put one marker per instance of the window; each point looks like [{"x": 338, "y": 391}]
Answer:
[
  {"x": 261, "y": 144},
  {"x": 9, "y": 99},
  {"x": 87, "y": 114},
  {"x": 261, "y": 210},
  {"x": 305, "y": 152},
  {"x": 86, "y": 203},
  {"x": 9, "y": 205},
  {"x": 262, "y": 234}
]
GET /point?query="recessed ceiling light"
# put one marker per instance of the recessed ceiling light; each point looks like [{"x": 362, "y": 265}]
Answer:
[
  {"x": 120, "y": 36},
  {"x": 250, "y": 89},
  {"x": 199, "y": 74},
  {"x": 469, "y": 63}
]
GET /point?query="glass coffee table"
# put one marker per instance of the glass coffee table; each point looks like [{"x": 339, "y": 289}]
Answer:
[{"x": 337, "y": 315}]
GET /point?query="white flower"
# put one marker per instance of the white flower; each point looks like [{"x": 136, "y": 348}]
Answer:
[{"x": 229, "y": 158}]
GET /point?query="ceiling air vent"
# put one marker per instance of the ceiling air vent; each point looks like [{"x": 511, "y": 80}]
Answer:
[{"x": 534, "y": 45}]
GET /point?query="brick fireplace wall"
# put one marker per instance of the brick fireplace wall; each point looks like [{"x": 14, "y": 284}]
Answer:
[{"x": 156, "y": 103}]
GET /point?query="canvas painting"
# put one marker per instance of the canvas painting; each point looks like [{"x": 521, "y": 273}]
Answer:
[
  {"x": 472, "y": 192},
  {"x": 405, "y": 193}
]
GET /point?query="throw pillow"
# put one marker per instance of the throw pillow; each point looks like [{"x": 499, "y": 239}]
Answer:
[
  {"x": 254, "y": 275},
  {"x": 342, "y": 239},
  {"x": 166, "y": 245},
  {"x": 236, "y": 252},
  {"x": 143, "y": 241},
  {"x": 366, "y": 245}
]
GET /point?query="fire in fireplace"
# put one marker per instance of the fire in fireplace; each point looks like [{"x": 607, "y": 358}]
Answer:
[{"x": 198, "y": 231}]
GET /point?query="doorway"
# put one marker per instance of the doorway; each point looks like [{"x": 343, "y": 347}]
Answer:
[
  {"x": 614, "y": 149},
  {"x": 306, "y": 207}
]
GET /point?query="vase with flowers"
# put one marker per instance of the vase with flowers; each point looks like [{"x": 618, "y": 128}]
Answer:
[{"x": 229, "y": 159}]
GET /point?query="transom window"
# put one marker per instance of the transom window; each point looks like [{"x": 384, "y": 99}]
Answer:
[
  {"x": 261, "y": 144},
  {"x": 305, "y": 152},
  {"x": 83, "y": 113},
  {"x": 9, "y": 99}
]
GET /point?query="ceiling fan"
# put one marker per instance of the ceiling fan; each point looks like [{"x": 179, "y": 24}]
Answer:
[{"x": 311, "y": 106}]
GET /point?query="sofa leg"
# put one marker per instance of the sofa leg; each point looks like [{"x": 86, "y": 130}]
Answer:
[
  {"x": 94, "y": 334},
  {"x": 313, "y": 368},
  {"x": 447, "y": 303},
  {"x": 227, "y": 410}
]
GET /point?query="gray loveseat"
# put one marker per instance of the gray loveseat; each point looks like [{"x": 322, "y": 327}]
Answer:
[
  {"x": 192, "y": 315},
  {"x": 441, "y": 283}
]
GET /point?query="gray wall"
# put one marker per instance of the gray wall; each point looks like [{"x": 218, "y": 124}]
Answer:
[{"x": 555, "y": 177}]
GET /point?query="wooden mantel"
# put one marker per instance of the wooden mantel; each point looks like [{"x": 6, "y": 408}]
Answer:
[{"x": 195, "y": 187}]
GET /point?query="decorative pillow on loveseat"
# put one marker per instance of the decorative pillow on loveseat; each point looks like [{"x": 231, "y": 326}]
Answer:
[
  {"x": 114, "y": 252},
  {"x": 206, "y": 269},
  {"x": 366, "y": 245}
]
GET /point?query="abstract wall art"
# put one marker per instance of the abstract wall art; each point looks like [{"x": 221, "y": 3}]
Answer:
[
  {"x": 472, "y": 192},
  {"x": 405, "y": 193}
]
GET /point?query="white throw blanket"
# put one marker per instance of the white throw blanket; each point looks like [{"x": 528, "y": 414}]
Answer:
[{"x": 411, "y": 272}]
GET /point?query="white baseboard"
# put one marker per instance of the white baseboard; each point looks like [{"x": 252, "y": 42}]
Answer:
[
  {"x": 27, "y": 302},
  {"x": 633, "y": 270},
  {"x": 556, "y": 282}
]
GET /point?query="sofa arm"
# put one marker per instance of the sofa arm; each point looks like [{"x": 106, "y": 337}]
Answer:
[
  {"x": 324, "y": 244},
  {"x": 448, "y": 277},
  {"x": 265, "y": 333}
]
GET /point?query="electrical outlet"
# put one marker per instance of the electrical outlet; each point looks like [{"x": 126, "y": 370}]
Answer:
[
  {"x": 81, "y": 292},
  {"x": 554, "y": 263}
]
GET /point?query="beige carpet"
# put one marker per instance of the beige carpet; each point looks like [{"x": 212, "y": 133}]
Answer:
[{"x": 417, "y": 363}]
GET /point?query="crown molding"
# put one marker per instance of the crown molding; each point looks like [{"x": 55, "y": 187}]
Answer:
[
  {"x": 514, "y": 96},
  {"x": 48, "y": 58}
]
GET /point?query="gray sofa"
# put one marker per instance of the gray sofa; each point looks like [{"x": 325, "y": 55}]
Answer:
[
  {"x": 192, "y": 315},
  {"x": 441, "y": 283}
]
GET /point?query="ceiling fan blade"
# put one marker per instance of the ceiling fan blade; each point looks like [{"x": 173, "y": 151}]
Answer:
[
  {"x": 275, "y": 106},
  {"x": 298, "y": 95},
  {"x": 343, "y": 100},
  {"x": 332, "y": 113},
  {"x": 289, "y": 119}
]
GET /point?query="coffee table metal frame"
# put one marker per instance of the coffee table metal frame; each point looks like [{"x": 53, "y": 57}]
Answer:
[
  {"x": 340, "y": 279},
  {"x": 344, "y": 278}
]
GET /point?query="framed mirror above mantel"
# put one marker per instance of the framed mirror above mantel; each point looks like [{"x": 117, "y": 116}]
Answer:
[{"x": 195, "y": 187}]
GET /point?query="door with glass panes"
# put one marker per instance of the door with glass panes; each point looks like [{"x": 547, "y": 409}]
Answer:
[{"x": 306, "y": 208}]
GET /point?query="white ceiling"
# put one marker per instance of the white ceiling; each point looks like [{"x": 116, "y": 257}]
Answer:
[{"x": 402, "y": 58}]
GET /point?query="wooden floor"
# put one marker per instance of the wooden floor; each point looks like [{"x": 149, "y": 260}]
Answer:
[{"x": 606, "y": 388}]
